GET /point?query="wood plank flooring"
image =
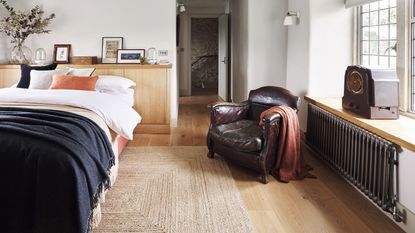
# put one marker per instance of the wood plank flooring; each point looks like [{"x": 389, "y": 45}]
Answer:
[{"x": 325, "y": 204}]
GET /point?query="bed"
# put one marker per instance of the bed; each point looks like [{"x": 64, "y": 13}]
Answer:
[{"x": 58, "y": 156}]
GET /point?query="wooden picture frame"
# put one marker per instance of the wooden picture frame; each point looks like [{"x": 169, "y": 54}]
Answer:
[
  {"x": 130, "y": 56},
  {"x": 61, "y": 53},
  {"x": 110, "y": 47}
]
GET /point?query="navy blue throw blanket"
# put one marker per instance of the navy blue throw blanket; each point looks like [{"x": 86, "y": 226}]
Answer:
[{"x": 52, "y": 166}]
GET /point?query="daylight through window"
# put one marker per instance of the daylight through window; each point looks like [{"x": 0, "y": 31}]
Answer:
[{"x": 378, "y": 34}]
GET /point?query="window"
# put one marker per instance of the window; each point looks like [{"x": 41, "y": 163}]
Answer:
[{"x": 378, "y": 34}]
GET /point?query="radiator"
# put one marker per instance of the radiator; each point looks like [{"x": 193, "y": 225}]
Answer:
[{"x": 367, "y": 161}]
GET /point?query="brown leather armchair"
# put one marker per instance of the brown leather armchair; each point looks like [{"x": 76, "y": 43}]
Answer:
[{"x": 235, "y": 134}]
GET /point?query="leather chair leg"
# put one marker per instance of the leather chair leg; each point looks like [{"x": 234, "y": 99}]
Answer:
[
  {"x": 264, "y": 178},
  {"x": 211, "y": 154}
]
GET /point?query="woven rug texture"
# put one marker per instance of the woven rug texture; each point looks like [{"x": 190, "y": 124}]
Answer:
[{"x": 173, "y": 190}]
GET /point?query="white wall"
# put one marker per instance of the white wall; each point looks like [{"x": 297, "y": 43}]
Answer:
[
  {"x": 259, "y": 42},
  {"x": 319, "y": 49},
  {"x": 298, "y": 55},
  {"x": 267, "y": 44},
  {"x": 142, "y": 23},
  {"x": 331, "y": 46},
  {"x": 239, "y": 49}
]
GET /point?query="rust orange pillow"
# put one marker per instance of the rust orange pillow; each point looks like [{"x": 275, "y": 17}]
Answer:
[{"x": 83, "y": 83}]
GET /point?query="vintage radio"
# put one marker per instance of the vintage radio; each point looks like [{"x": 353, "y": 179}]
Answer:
[{"x": 371, "y": 93}]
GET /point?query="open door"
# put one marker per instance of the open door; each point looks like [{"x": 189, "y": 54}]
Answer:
[{"x": 223, "y": 57}]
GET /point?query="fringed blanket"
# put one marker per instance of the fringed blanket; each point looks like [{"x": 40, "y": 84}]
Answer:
[
  {"x": 290, "y": 163},
  {"x": 54, "y": 166}
]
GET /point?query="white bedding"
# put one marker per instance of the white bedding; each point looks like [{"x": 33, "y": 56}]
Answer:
[{"x": 117, "y": 114}]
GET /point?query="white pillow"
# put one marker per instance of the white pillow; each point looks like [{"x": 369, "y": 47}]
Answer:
[
  {"x": 126, "y": 95},
  {"x": 42, "y": 79},
  {"x": 113, "y": 83},
  {"x": 80, "y": 71}
]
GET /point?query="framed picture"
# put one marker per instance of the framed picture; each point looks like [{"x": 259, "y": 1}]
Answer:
[
  {"x": 130, "y": 56},
  {"x": 61, "y": 53},
  {"x": 110, "y": 46}
]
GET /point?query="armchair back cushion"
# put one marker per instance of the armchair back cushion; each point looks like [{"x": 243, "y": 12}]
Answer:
[{"x": 264, "y": 98}]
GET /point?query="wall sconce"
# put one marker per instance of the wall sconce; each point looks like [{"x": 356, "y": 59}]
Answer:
[
  {"x": 181, "y": 7},
  {"x": 292, "y": 18}
]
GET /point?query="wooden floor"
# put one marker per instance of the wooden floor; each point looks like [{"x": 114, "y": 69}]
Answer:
[{"x": 325, "y": 204}]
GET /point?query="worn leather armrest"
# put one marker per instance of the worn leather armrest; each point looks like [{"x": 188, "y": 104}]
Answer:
[
  {"x": 224, "y": 112},
  {"x": 271, "y": 118}
]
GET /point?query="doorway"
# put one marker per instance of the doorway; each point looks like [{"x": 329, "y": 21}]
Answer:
[{"x": 204, "y": 56}]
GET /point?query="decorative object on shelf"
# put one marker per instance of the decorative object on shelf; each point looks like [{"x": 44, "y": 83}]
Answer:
[
  {"x": 110, "y": 46},
  {"x": 130, "y": 56},
  {"x": 152, "y": 56},
  {"x": 143, "y": 60},
  {"x": 40, "y": 56},
  {"x": 84, "y": 60},
  {"x": 371, "y": 93},
  {"x": 19, "y": 26},
  {"x": 61, "y": 53},
  {"x": 292, "y": 18},
  {"x": 163, "y": 56}
]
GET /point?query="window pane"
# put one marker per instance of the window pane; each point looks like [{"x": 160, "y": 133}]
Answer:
[
  {"x": 384, "y": 32},
  {"x": 365, "y": 8},
  {"x": 374, "y": 18},
  {"x": 365, "y": 47},
  {"x": 365, "y": 33},
  {"x": 365, "y": 19},
  {"x": 383, "y": 61},
  {"x": 374, "y": 33},
  {"x": 393, "y": 15},
  {"x": 384, "y": 16},
  {"x": 392, "y": 62},
  {"x": 365, "y": 60},
  {"x": 374, "y": 61},
  {"x": 378, "y": 34},
  {"x": 384, "y": 47},
  {"x": 374, "y": 6},
  {"x": 374, "y": 47},
  {"x": 392, "y": 31},
  {"x": 384, "y": 4}
]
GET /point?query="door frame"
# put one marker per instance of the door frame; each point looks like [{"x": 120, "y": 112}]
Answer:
[{"x": 188, "y": 49}]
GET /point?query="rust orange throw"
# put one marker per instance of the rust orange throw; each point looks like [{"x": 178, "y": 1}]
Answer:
[{"x": 290, "y": 163}]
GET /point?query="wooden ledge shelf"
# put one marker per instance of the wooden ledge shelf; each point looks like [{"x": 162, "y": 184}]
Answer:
[
  {"x": 102, "y": 66},
  {"x": 400, "y": 132}
]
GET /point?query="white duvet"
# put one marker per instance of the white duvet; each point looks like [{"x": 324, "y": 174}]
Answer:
[{"x": 116, "y": 113}]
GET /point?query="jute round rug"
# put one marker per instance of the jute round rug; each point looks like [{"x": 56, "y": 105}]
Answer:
[{"x": 173, "y": 189}]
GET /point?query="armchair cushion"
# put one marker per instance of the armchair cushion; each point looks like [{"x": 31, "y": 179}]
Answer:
[{"x": 243, "y": 135}]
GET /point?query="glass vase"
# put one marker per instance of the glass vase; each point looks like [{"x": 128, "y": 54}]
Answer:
[{"x": 20, "y": 54}]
